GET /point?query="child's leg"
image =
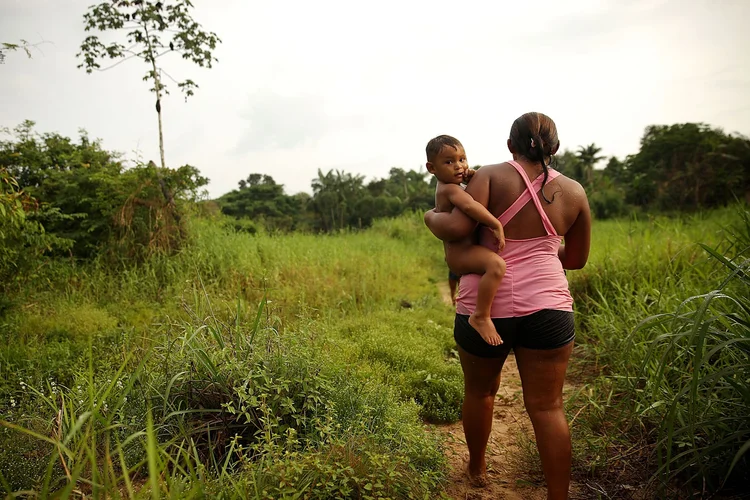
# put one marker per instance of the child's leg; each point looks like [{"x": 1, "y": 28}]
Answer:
[
  {"x": 476, "y": 259},
  {"x": 452, "y": 284}
]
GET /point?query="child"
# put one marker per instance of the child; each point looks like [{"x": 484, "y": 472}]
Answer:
[{"x": 446, "y": 160}]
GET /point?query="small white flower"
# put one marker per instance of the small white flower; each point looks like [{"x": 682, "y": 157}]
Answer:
[
  {"x": 125, "y": 399},
  {"x": 80, "y": 401},
  {"x": 23, "y": 384},
  {"x": 12, "y": 403},
  {"x": 119, "y": 384}
]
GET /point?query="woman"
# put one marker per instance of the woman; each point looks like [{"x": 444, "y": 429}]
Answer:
[{"x": 533, "y": 308}]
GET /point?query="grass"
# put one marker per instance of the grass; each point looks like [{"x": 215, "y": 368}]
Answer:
[
  {"x": 664, "y": 339},
  {"x": 305, "y": 366},
  {"x": 256, "y": 366}
]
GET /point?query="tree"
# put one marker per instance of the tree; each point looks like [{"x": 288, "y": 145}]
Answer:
[
  {"x": 569, "y": 164},
  {"x": 151, "y": 30},
  {"x": 335, "y": 196},
  {"x": 589, "y": 157},
  {"x": 259, "y": 198},
  {"x": 616, "y": 171},
  {"x": 23, "y": 46},
  {"x": 687, "y": 166}
]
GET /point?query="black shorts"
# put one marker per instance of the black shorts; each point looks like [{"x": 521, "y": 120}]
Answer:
[{"x": 545, "y": 329}]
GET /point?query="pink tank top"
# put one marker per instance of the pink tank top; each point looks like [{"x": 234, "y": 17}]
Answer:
[{"x": 534, "y": 279}]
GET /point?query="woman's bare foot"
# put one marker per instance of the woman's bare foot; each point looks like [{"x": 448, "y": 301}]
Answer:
[
  {"x": 476, "y": 480},
  {"x": 486, "y": 329}
]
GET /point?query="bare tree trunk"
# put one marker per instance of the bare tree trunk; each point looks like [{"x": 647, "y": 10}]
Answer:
[
  {"x": 168, "y": 196},
  {"x": 164, "y": 189},
  {"x": 161, "y": 133}
]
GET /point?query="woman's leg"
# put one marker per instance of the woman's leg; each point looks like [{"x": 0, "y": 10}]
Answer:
[
  {"x": 542, "y": 375},
  {"x": 481, "y": 382}
]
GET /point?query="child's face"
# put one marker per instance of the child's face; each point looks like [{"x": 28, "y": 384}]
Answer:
[{"x": 449, "y": 165}]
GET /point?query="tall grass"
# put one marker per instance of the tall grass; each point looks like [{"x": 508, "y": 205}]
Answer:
[
  {"x": 303, "y": 366},
  {"x": 220, "y": 402},
  {"x": 665, "y": 322},
  {"x": 265, "y": 369},
  {"x": 696, "y": 377}
]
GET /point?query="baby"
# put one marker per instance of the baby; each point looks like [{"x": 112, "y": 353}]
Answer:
[{"x": 446, "y": 160}]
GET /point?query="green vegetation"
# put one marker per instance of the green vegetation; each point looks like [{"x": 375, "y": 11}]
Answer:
[
  {"x": 240, "y": 364},
  {"x": 161, "y": 347},
  {"x": 264, "y": 365},
  {"x": 665, "y": 330},
  {"x": 683, "y": 167},
  {"x": 266, "y": 345}
]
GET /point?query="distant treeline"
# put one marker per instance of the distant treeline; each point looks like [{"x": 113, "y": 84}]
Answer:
[
  {"x": 679, "y": 167},
  {"x": 74, "y": 198},
  {"x": 340, "y": 200}
]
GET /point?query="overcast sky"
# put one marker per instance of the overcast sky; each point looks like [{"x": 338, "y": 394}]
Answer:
[{"x": 362, "y": 86}]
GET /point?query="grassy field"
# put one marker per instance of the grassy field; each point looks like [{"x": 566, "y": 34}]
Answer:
[{"x": 304, "y": 366}]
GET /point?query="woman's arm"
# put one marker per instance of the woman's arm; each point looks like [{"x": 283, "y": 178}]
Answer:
[
  {"x": 456, "y": 225},
  {"x": 449, "y": 226},
  {"x": 575, "y": 252}
]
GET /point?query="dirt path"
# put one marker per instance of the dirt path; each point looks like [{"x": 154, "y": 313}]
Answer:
[{"x": 510, "y": 428}]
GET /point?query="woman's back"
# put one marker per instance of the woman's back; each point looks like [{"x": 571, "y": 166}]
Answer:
[
  {"x": 506, "y": 185},
  {"x": 534, "y": 279}
]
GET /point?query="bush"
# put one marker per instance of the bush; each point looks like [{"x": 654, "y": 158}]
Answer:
[
  {"x": 607, "y": 203},
  {"x": 23, "y": 240},
  {"x": 88, "y": 198}
]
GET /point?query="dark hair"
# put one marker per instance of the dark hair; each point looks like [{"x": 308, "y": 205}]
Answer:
[
  {"x": 438, "y": 143},
  {"x": 534, "y": 136}
]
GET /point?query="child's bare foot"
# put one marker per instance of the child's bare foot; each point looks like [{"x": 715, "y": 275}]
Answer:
[{"x": 486, "y": 329}]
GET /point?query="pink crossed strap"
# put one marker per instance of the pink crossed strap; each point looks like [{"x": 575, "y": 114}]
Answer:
[{"x": 526, "y": 196}]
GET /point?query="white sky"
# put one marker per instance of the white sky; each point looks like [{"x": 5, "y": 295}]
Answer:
[{"x": 362, "y": 87}]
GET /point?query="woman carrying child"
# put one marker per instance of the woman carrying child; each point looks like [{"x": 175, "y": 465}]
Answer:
[{"x": 532, "y": 309}]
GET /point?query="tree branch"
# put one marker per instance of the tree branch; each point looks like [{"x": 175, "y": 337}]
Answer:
[
  {"x": 169, "y": 76},
  {"x": 117, "y": 63}
]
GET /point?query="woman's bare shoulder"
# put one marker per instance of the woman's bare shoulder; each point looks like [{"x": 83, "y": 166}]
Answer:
[
  {"x": 495, "y": 170},
  {"x": 569, "y": 185},
  {"x": 495, "y": 167},
  {"x": 573, "y": 194}
]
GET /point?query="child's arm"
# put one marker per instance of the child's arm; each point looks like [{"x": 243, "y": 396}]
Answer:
[{"x": 468, "y": 205}]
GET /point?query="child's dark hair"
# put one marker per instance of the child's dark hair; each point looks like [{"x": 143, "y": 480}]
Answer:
[
  {"x": 534, "y": 136},
  {"x": 438, "y": 143}
]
